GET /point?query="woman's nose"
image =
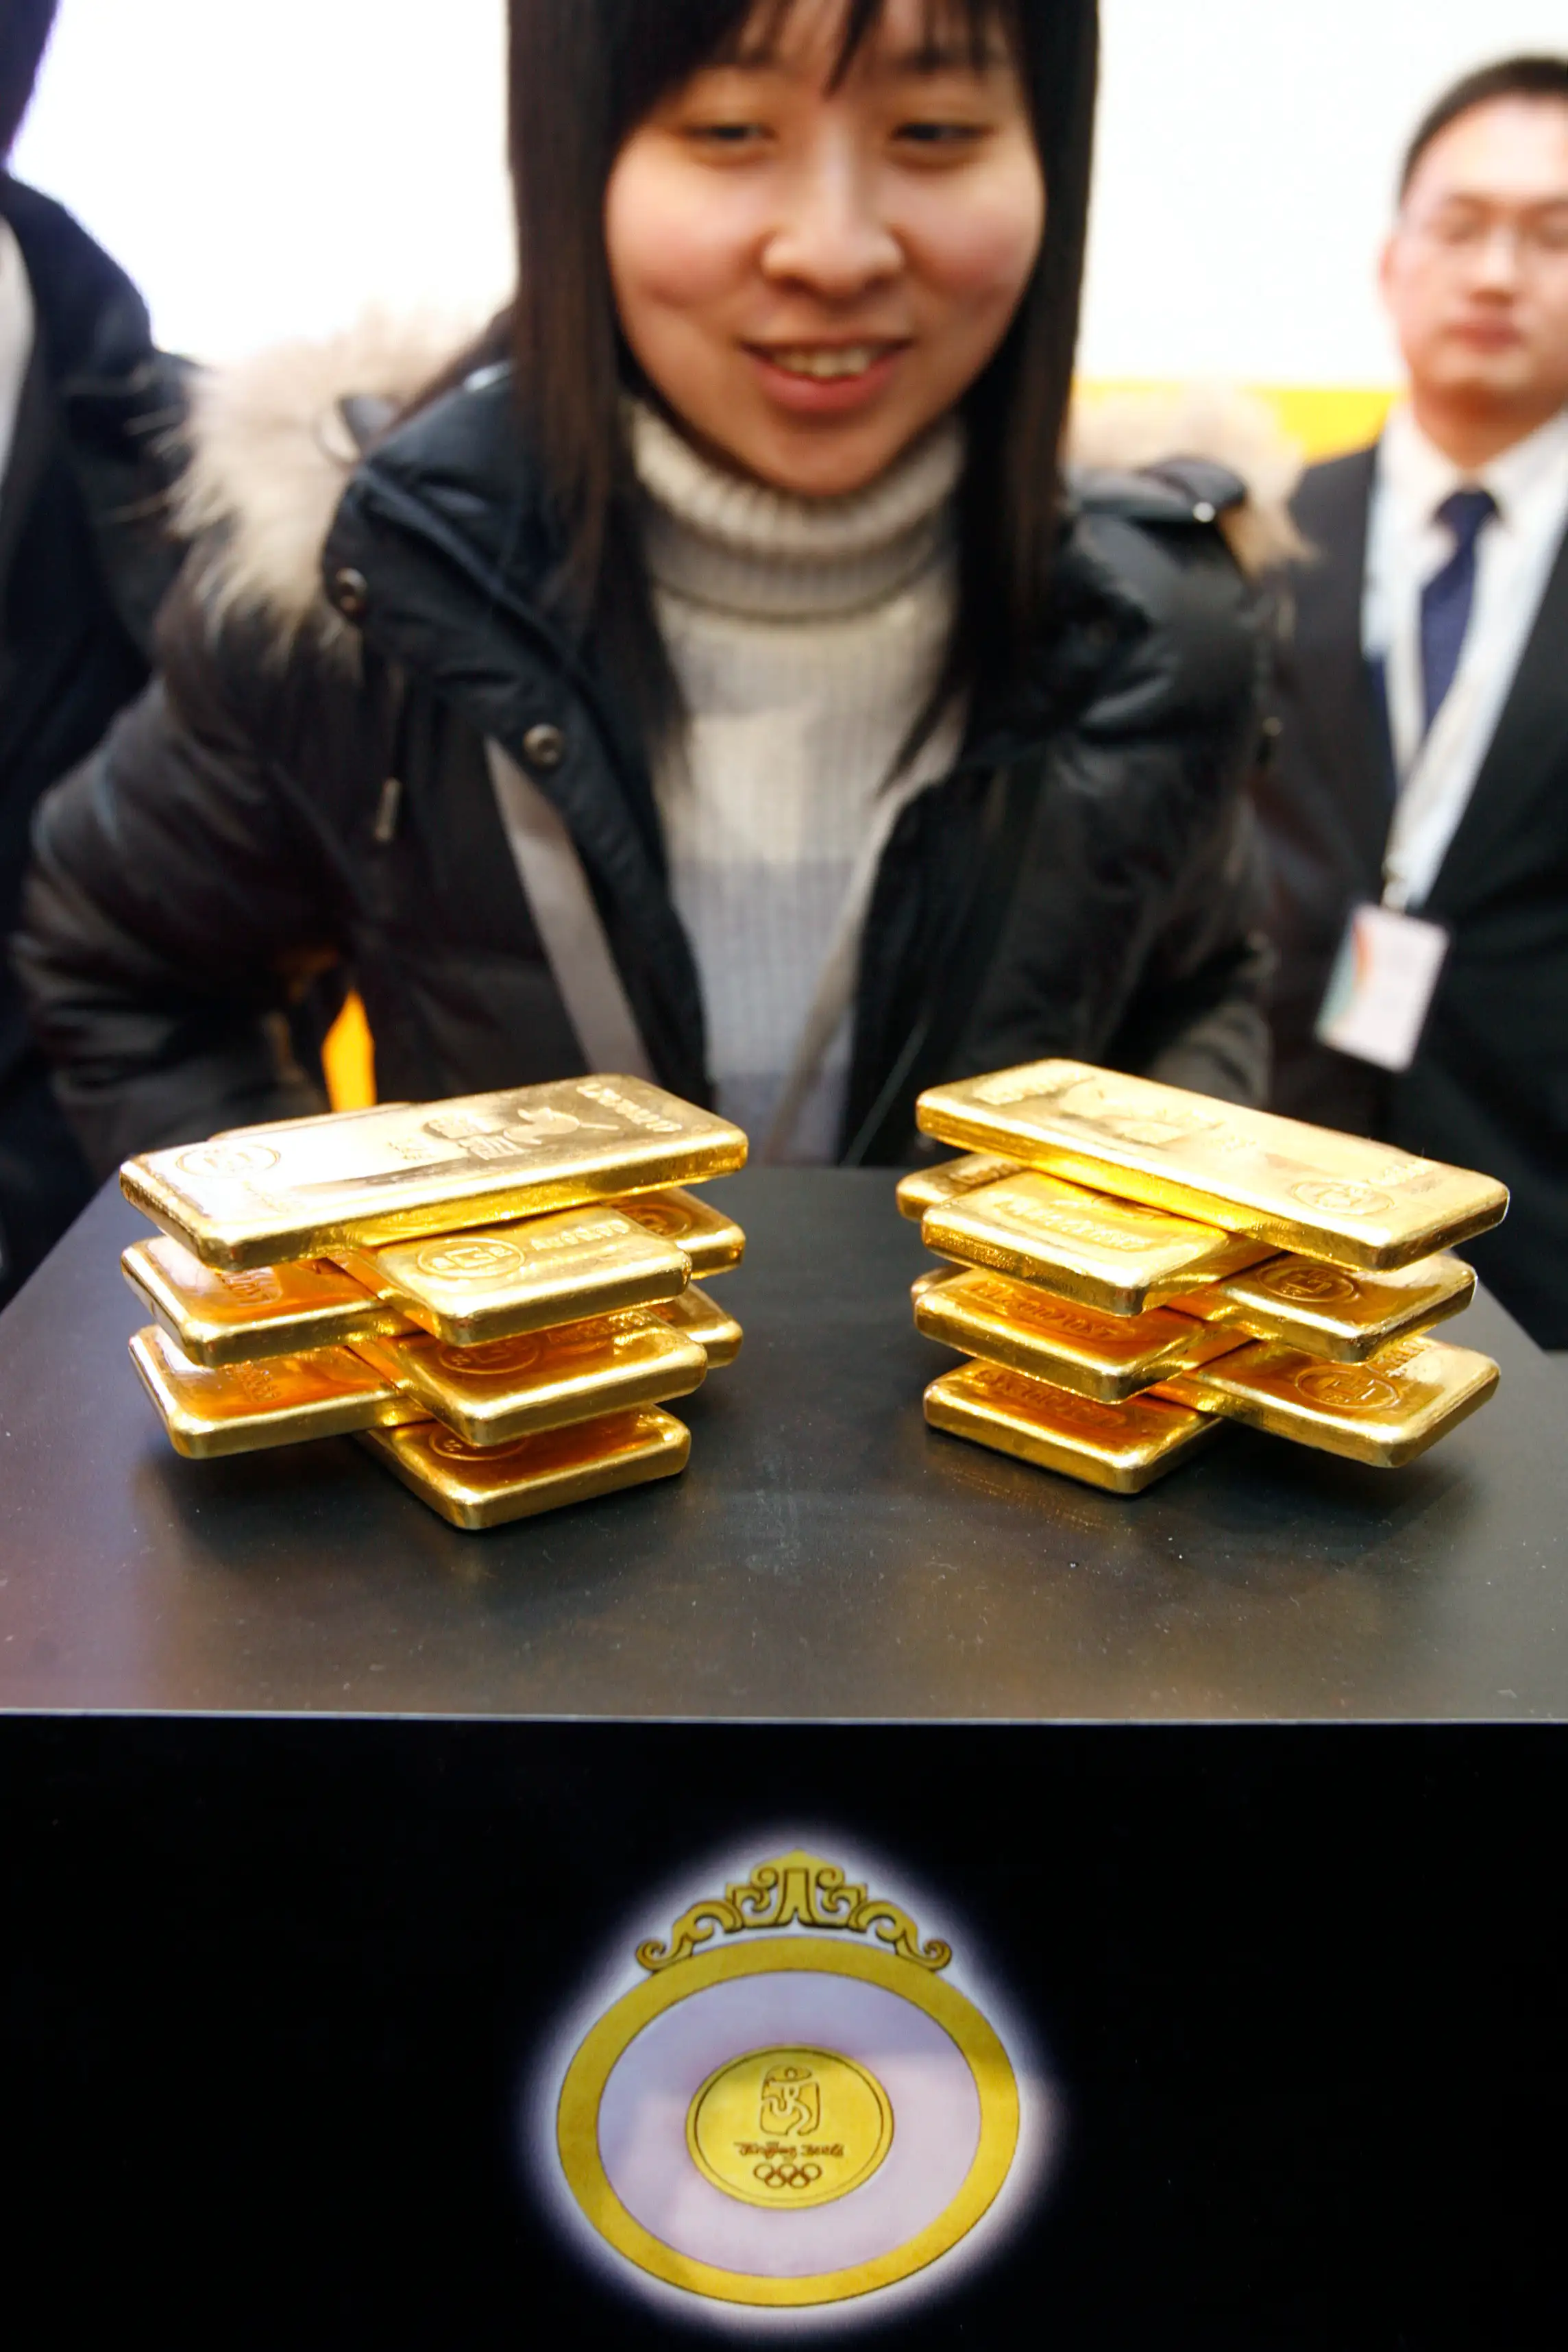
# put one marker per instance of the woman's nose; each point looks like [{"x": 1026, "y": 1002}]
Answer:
[{"x": 830, "y": 232}]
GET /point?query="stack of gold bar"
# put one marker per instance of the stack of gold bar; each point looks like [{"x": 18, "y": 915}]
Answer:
[
  {"x": 495, "y": 1293},
  {"x": 1130, "y": 1267}
]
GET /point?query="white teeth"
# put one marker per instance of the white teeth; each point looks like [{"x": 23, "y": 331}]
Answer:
[{"x": 827, "y": 366}]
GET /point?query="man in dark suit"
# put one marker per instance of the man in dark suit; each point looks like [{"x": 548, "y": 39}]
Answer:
[
  {"x": 87, "y": 411},
  {"x": 1416, "y": 810}
]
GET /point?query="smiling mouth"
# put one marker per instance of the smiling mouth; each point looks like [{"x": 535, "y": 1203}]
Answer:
[{"x": 826, "y": 364}]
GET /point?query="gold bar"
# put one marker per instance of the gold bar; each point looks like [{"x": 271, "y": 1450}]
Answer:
[
  {"x": 1362, "y": 1204},
  {"x": 1384, "y": 1414},
  {"x": 545, "y": 1380},
  {"x": 469, "y": 1288},
  {"x": 1121, "y": 1447},
  {"x": 313, "y": 1188},
  {"x": 933, "y": 1188},
  {"x": 1328, "y": 1311},
  {"x": 240, "y": 1408},
  {"x": 697, "y": 1316},
  {"x": 217, "y": 1317},
  {"x": 341, "y": 1117},
  {"x": 1107, "y": 1357},
  {"x": 711, "y": 1241},
  {"x": 1110, "y": 1255},
  {"x": 484, "y": 1487}
]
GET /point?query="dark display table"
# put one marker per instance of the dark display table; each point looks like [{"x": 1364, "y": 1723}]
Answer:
[
  {"x": 825, "y": 1554},
  {"x": 1245, "y": 1791}
]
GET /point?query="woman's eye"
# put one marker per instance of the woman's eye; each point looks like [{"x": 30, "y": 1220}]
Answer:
[
  {"x": 726, "y": 135},
  {"x": 952, "y": 136}
]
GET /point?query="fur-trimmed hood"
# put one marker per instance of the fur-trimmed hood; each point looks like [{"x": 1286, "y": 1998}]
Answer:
[
  {"x": 272, "y": 450},
  {"x": 1123, "y": 432}
]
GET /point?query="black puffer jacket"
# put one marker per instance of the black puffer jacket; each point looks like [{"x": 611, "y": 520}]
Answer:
[
  {"x": 1080, "y": 883},
  {"x": 86, "y": 555}
]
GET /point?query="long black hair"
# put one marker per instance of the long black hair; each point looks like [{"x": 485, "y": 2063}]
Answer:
[{"x": 583, "y": 74}]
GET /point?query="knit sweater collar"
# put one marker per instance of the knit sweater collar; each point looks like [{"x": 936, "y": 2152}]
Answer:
[{"x": 719, "y": 539}]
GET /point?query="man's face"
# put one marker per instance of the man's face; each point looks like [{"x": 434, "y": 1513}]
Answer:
[{"x": 1475, "y": 273}]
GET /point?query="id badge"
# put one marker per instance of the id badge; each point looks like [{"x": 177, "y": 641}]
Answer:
[{"x": 1382, "y": 986}]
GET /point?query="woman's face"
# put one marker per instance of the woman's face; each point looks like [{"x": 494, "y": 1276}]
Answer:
[{"x": 811, "y": 276}]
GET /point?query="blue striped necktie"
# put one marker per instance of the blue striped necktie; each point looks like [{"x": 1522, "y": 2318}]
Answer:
[{"x": 1448, "y": 595}]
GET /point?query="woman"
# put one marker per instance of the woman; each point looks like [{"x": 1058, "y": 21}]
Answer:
[{"x": 712, "y": 678}]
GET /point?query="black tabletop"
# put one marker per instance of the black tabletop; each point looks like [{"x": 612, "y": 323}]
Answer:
[{"x": 824, "y": 1555}]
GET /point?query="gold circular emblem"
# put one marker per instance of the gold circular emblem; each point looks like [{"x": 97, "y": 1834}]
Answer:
[
  {"x": 493, "y": 1355},
  {"x": 453, "y": 1448},
  {"x": 1341, "y": 1200},
  {"x": 665, "y": 1217},
  {"x": 470, "y": 1261},
  {"x": 1344, "y": 1388},
  {"x": 789, "y": 2128},
  {"x": 539, "y": 1451},
  {"x": 1311, "y": 1286},
  {"x": 229, "y": 1160}
]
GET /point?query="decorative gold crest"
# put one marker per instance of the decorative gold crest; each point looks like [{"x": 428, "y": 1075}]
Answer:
[{"x": 798, "y": 1890}]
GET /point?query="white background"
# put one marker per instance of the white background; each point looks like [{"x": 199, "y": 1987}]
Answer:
[{"x": 264, "y": 168}]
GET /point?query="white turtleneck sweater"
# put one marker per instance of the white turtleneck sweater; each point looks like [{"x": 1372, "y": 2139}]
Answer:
[{"x": 806, "y": 634}]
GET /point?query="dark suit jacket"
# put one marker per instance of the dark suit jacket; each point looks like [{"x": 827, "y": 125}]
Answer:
[
  {"x": 85, "y": 559},
  {"x": 1489, "y": 1088}
]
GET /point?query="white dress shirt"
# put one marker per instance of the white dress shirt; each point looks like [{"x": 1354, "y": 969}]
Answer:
[
  {"x": 1435, "y": 772},
  {"x": 16, "y": 328}
]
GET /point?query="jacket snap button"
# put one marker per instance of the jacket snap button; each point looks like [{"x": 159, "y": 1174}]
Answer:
[
  {"x": 544, "y": 746},
  {"x": 350, "y": 594}
]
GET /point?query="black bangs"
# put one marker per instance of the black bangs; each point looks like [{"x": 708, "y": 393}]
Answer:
[
  {"x": 656, "y": 46},
  {"x": 949, "y": 29}
]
